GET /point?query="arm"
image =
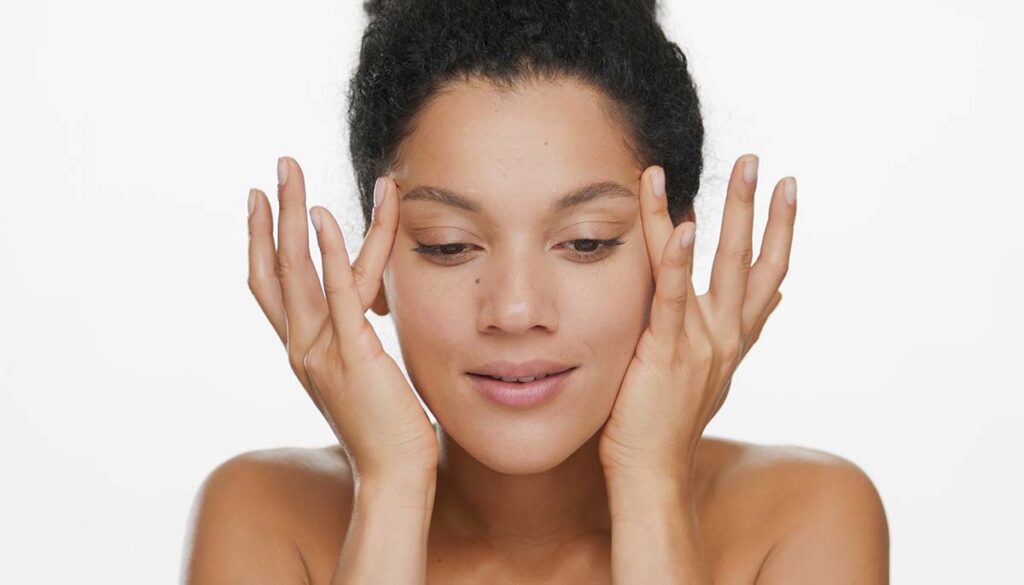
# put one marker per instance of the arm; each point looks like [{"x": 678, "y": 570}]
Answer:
[
  {"x": 681, "y": 372},
  {"x": 236, "y": 534},
  {"x": 355, "y": 384},
  {"x": 654, "y": 532},
  {"x": 240, "y": 530},
  {"x": 840, "y": 533},
  {"x": 387, "y": 535}
]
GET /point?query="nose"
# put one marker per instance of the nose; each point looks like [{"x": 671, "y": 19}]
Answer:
[{"x": 517, "y": 294}]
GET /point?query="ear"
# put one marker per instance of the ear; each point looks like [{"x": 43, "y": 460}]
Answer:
[
  {"x": 380, "y": 302},
  {"x": 689, "y": 216}
]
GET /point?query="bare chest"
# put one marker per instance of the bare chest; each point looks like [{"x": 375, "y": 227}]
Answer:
[
  {"x": 734, "y": 542},
  {"x": 739, "y": 522}
]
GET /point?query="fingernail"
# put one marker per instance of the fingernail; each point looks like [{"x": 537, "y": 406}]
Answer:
[
  {"x": 750, "y": 170},
  {"x": 658, "y": 181},
  {"x": 252, "y": 201},
  {"x": 378, "y": 192},
  {"x": 790, "y": 190},
  {"x": 282, "y": 171},
  {"x": 315, "y": 218},
  {"x": 688, "y": 231}
]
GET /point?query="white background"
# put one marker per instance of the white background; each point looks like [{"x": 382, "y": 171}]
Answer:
[{"x": 133, "y": 359}]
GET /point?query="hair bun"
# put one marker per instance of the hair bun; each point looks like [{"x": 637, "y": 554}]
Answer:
[
  {"x": 373, "y": 8},
  {"x": 652, "y": 8}
]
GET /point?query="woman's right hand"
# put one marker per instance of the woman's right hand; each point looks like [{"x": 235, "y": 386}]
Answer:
[{"x": 332, "y": 347}]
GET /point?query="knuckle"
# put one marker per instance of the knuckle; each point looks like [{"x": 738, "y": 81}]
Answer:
[
  {"x": 730, "y": 352},
  {"x": 283, "y": 264},
  {"x": 297, "y": 360},
  {"x": 255, "y": 286},
  {"x": 309, "y": 362},
  {"x": 704, "y": 353},
  {"x": 779, "y": 266},
  {"x": 743, "y": 256},
  {"x": 675, "y": 302},
  {"x": 359, "y": 272},
  {"x": 313, "y": 362},
  {"x": 261, "y": 285},
  {"x": 679, "y": 259},
  {"x": 333, "y": 288},
  {"x": 782, "y": 268}
]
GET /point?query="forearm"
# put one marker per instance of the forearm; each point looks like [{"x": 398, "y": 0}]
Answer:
[
  {"x": 387, "y": 535},
  {"x": 655, "y": 538}
]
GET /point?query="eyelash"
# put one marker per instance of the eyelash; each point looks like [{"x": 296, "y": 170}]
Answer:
[{"x": 584, "y": 257}]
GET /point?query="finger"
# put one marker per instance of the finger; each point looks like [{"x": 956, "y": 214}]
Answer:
[
  {"x": 263, "y": 280},
  {"x": 346, "y": 310},
  {"x": 369, "y": 266},
  {"x": 755, "y": 331},
  {"x": 300, "y": 287},
  {"x": 721, "y": 400},
  {"x": 773, "y": 260},
  {"x": 728, "y": 284},
  {"x": 654, "y": 215},
  {"x": 674, "y": 302},
  {"x": 754, "y": 334},
  {"x": 318, "y": 347},
  {"x": 696, "y": 328}
]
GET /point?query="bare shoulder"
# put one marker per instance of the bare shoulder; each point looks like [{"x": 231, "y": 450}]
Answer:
[
  {"x": 261, "y": 515},
  {"x": 813, "y": 512},
  {"x": 787, "y": 478},
  {"x": 783, "y": 467}
]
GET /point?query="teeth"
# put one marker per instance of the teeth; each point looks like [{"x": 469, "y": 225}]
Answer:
[{"x": 521, "y": 380}]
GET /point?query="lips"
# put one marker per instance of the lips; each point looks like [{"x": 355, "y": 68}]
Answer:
[
  {"x": 520, "y": 395},
  {"x": 518, "y": 379},
  {"x": 522, "y": 372}
]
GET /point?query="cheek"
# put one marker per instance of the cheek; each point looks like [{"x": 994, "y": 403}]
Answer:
[
  {"x": 612, "y": 316},
  {"x": 430, "y": 315}
]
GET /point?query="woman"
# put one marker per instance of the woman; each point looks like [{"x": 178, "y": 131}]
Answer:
[{"x": 533, "y": 168}]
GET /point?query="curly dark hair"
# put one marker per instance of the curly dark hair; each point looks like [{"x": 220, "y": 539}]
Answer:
[{"x": 411, "y": 49}]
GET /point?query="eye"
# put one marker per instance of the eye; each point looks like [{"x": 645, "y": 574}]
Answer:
[
  {"x": 582, "y": 250},
  {"x": 444, "y": 253},
  {"x": 589, "y": 250}
]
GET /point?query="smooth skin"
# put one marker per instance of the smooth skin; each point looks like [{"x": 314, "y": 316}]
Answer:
[
  {"x": 745, "y": 514},
  {"x": 332, "y": 347}
]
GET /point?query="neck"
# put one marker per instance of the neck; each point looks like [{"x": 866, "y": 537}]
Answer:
[{"x": 522, "y": 515}]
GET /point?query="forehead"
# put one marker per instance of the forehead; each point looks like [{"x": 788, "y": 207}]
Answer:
[{"x": 525, "y": 146}]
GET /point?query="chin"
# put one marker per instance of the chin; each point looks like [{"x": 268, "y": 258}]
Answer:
[{"x": 522, "y": 446}]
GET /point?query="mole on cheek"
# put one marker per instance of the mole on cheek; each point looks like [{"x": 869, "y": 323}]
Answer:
[{"x": 478, "y": 281}]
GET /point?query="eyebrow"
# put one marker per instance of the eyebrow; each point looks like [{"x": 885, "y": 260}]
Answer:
[{"x": 572, "y": 198}]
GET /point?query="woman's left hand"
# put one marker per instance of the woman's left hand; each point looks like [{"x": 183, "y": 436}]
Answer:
[{"x": 684, "y": 360}]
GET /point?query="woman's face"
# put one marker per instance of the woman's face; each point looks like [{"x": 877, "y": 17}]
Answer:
[{"x": 513, "y": 286}]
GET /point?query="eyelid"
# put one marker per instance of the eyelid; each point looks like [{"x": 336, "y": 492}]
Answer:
[
  {"x": 560, "y": 241},
  {"x": 605, "y": 247}
]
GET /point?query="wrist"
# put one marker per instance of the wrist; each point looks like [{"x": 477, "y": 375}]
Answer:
[
  {"x": 412, "y": 491},
  {"x": 643, "y": 496},
  {"x": 675, "y": 471}
]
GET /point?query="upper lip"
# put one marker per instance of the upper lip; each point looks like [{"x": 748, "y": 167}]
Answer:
[{"x": 506, "y": 369}]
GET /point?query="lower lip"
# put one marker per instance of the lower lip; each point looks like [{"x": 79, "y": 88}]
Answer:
[{"x": 515, "y": 394}]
